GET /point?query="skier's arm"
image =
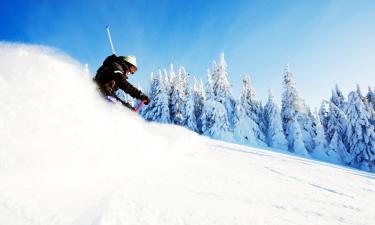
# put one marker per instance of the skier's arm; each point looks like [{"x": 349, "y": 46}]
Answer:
[{"x": 123, "y": 84}]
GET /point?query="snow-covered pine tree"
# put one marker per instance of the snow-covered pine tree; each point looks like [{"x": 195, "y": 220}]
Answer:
[
  {"x": 221, "y": 87},
  {"x": 338, "y": 98},
  {"x": 323, "y": 114},
  {"x": 215, "y": 122},
  {"x": 368, "y": 106},
  {"x": 371, "y": 105},
  {"x": 336, "y": 133},
  {"x": 371, "y": 96},
  {"x": 274, "y": 131},
  {"x": 252, "y": 107},
  {"x": 306, "y": 120},
  {"x": 166, "y": 82},
  {"x": 208, "y": 117},
  {"x": 360, "y": 134},
  {"x": 172, "y": 89},
  {"x": 199, "y": 98},
  {"x": 291, "y": 105},
  {"x": 359, "y": 92},
  {"x": 158, "y": 109},
  {"x": 171, "y": 74},
  {"x": 320, "y": 141},
  {"x": 189, "y": 120},
  {"x": 294, "y": 138},
  {"x": 209, "y": 87},
  {"x": 178, "y": 98},
  {"x": 167, "y": 87},
  {"x": 303, "y": 114},
  {"x": 243, "y": 127}
]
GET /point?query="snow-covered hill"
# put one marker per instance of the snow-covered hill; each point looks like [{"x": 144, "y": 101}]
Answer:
[{"x": 67, "y": 157}]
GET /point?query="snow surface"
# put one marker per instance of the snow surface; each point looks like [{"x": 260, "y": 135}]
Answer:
[{"x": 68, "y": 157}]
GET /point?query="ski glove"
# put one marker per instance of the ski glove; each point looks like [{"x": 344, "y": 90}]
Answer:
[{"x": 145, "y": 99}]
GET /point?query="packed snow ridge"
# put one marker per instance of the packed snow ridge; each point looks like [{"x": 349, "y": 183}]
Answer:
[{"x": 69, "y": 158}]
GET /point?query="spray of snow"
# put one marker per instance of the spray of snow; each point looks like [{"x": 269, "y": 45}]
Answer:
[
  {"x": 69, "y": 158},
  {"x": 58, "y": 134}
]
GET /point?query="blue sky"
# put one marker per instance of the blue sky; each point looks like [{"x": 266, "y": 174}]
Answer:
[{"x": 325, "y": 41}]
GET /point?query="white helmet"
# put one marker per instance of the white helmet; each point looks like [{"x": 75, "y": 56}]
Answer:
[{"x": 131, "y": 59}]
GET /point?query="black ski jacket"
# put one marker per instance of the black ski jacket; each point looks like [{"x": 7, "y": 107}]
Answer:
[{"x": 111, "y": 76}]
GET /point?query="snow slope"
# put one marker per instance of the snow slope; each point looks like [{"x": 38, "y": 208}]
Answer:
[{"x": 67, "y": 157}]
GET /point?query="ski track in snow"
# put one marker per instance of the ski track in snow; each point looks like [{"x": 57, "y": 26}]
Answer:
[{"x": 61, "y": 163}]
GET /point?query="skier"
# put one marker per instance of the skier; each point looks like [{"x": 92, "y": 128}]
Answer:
[{"x": 113, "y": 75}]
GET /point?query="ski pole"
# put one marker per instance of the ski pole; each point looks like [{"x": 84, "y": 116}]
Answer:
[
  {"x": 110, "y": 39},
  {"x": 139, "y": 106}
]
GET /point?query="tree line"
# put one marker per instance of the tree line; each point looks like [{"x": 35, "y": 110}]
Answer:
[{"x": 342, "y": 131}]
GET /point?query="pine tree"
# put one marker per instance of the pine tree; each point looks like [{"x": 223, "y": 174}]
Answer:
[
  {"x": 370, "y": 97},
  {"x": 360, "y": 134},
  {"x": 294, "y": 138},
  {"x": 306, "y": 120},
  {"x": 171, "y": 74},
  {"x": 215, "y": 122},
  {"x": 178, "y": 98},
  {"x": 302, "y": 112},
  {"x": 157, "y": 110},
  {"x": 221, "y": 88},
  {"x": 274, "y": 132},
  {"x": 368, "y": 106},
  {"x": 167, "y": 84},
  {"x": 221, "y": 85},
  {"x": 359, "y": 92},
  {"x": 253, "y": 108},
  {"x": 209, "y": 87},
  {"x": 219, "y": 96},
  {"x": 338, "y": 98},
  {"x": 320, "y": 140},
  {"x": 171, "y": 90},
  {"x": 323, "y": 114},
  {"x": 199, "y": 98},
  {"x": 189, "y": 120},
  {"x": 243, "y": 127},
  {"x": 336, "y": 133},
  {"x": 291, "y": 105}
]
